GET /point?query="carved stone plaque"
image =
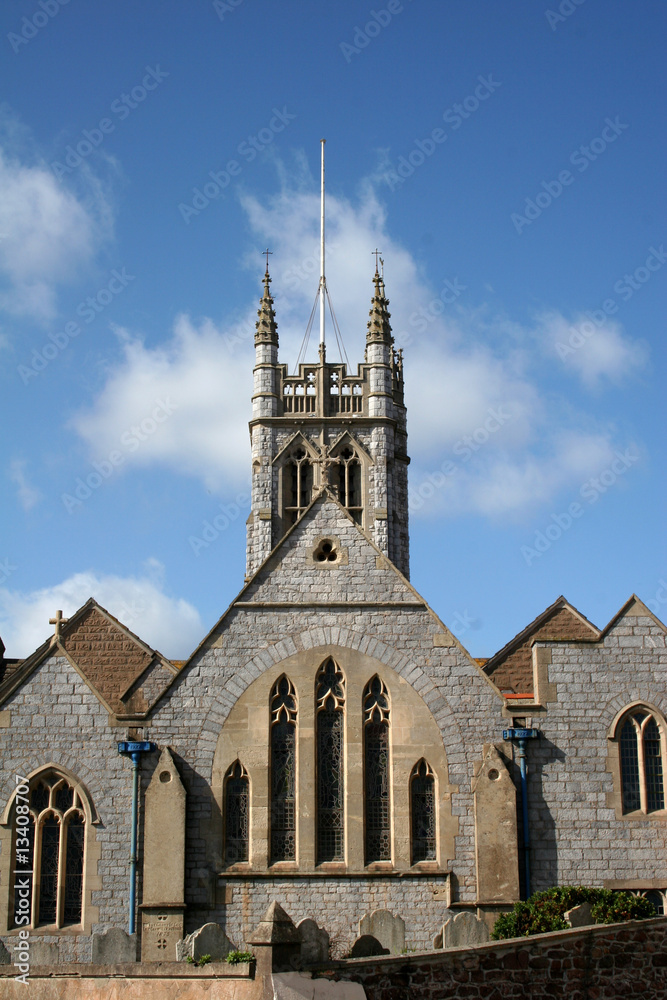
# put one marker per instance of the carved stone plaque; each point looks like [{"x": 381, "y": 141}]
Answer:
[{"x": 161, "y": 929}]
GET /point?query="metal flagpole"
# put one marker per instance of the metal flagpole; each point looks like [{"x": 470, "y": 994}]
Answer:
[{"x": 322, "y": 278}]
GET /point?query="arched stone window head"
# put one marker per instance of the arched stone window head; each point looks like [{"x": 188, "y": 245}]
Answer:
[
  {"x": 422, "y": 813},
  {"x": 297, "y": 484},
  {"x": 350, "y": 482},
  {"x": 642, "y": 753},
  {"x": 283, "y": 772},
  {"x": 237, "y": 814},
  {"x": 330, "y": 778},
  {"x": 376, "y": 772},
  {"x": 50, "y": 837}
]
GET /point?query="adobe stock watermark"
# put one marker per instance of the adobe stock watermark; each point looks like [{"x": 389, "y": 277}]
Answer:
[
  {"x": 23, "y": 878},
  {"x": 378, "y": 19},
  {"x": 224, "y": 7},
  {"x": 6, "y": 570},
  {"x": 87, "y": 310},
  {"x": 251, "y": 146},
  {"x": 454, "y": 117},
  {"x": 657, "y": 603},
  {"x": 460, "y": 623},
  {"x": 130, "y": 441},
  {"x": 581, "y": 158},
  {"x": 425, "y": 315},
  {"x": 31, "y": 26},
  {"x": 464, "y": 449},
  {"x": 565, "y": 9},
  {"x": 213, "y": 528},
  {"x": 121, "y": 107},
  {"x": 625, "y": 287},
  {"x": 590, "y": 491}
]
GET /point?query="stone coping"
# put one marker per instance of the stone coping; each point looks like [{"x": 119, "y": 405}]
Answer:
[
  {"x": 388, "y": 962},
  {"x": 136, "y": 970}
]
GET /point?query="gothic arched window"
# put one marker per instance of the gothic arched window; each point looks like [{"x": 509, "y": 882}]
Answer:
[
  {"x": 283, "y": 772},
  {"x": 50, "y": 838},
  {"x": 642, "y": 751},
  {"x": 237, "y": 814},
  {"x": 329, "y": 704},
  {"x": 422, "y": 810},
  {"x": 297, "y": 485},
  {"x": 349, "y": 482},
  {"x": 376, "y": 771}
]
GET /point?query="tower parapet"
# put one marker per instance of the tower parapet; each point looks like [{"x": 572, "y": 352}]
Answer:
[{"x": 325, "y": 426}]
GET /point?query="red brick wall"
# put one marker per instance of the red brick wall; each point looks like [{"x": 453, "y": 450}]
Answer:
[
  {"x": 515, "y": 671},
  {"x": 602, "y": 962}
]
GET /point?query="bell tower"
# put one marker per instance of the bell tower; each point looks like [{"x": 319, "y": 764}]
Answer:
[{"x": 323, "y": 427}]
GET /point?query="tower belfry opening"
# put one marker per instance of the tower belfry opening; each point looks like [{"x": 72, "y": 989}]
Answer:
[{"x": 326, "y": 426}]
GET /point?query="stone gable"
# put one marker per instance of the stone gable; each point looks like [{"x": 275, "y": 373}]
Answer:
[
  {"x": 360, "y": 573},
  {"x": 513, "y": 672},
  {"x": 106, "y": 654}
]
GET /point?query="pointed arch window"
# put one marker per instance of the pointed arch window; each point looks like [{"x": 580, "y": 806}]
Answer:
[
  {"x": 297, "y": 484},
  {"x": 376, "y": 771},
  {"x": 55, "y": 851},
  {"x": 237, "y": 814},
  {"x": 642, "y": 753},
  {"x": 422, "y": 812},
  {"x": 283, "y": 771},
  {"x": 349, "y": 482},
  {"x": 329, "y": 708}
]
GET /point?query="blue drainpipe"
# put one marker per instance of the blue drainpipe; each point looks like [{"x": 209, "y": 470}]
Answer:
[
  {"x": 134, "y": 750},
  {"x": 519, "y": 737}
]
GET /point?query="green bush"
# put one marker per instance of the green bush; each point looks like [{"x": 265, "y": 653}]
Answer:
[
  {"x": 544, "y": 911},
  {"x": 235, "y": 957}
]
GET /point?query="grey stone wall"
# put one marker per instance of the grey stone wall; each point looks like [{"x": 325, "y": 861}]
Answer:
[{"x": 577, "y": 833}]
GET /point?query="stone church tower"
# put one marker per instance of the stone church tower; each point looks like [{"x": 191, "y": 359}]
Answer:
[{"x": 325, "y": 427}]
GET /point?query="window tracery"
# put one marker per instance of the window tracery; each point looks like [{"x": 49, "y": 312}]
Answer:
[
  {"x": 237, "y": 814},
  {"x": 330, "y": 702},
  {"x": 349, "y": 482},
  {"x": 297, "y": 484},
  {"x": 642, "y": 752},
  {"x": 422, "y": 809},
  {"x": 283, "y": 771},
  {"x": 376, "y": 771},
  {"x": 55, "y": 834}
]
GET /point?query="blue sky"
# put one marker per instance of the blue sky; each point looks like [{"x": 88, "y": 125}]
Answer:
[{"x": 506, "y": 158}]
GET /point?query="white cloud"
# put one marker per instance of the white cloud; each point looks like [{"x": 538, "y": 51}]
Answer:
[
  {"x": 27, "y": 494},
  {"x": 202, "y": 379},
  {"x": 47, "y": 234},
  {"x": 459, "y": 371},
  {"x": 169, "y": 624},
  {"x": 593, "y": 351}
]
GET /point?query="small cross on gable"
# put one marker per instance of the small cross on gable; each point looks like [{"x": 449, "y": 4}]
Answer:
[{"x": 57, "y": 621}]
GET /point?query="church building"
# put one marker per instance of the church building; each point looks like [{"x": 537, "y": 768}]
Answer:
[{"x": 330, "y": 745}]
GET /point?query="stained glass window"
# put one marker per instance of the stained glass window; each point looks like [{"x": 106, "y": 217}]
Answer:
[
  {"x": 237, "y": 812},
  {"x": 56, "y": 851},
  {"x": 642, "y": 752},
  {"x": 283, "y": 772},
  {"x": 376, "y": 771},
  {"x": 330, "y": 701},
  {"x": 630, "y": 767},
  {"x": 655, "y": 792},
  {"x": 422, "y": 803}
]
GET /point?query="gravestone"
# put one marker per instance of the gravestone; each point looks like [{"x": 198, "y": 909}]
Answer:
[
  {"x": 579, "y": 916},
  {"x": 207, "y": 940},
  {"x": 463, "y": 929},
  {"x": 114, "y": 947},
  {"x": 367, "y": 946},
  {"x": 43, "y": 953},
  {"x": 388, "y": 929},
  {"x": 314, "y": 943}
]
